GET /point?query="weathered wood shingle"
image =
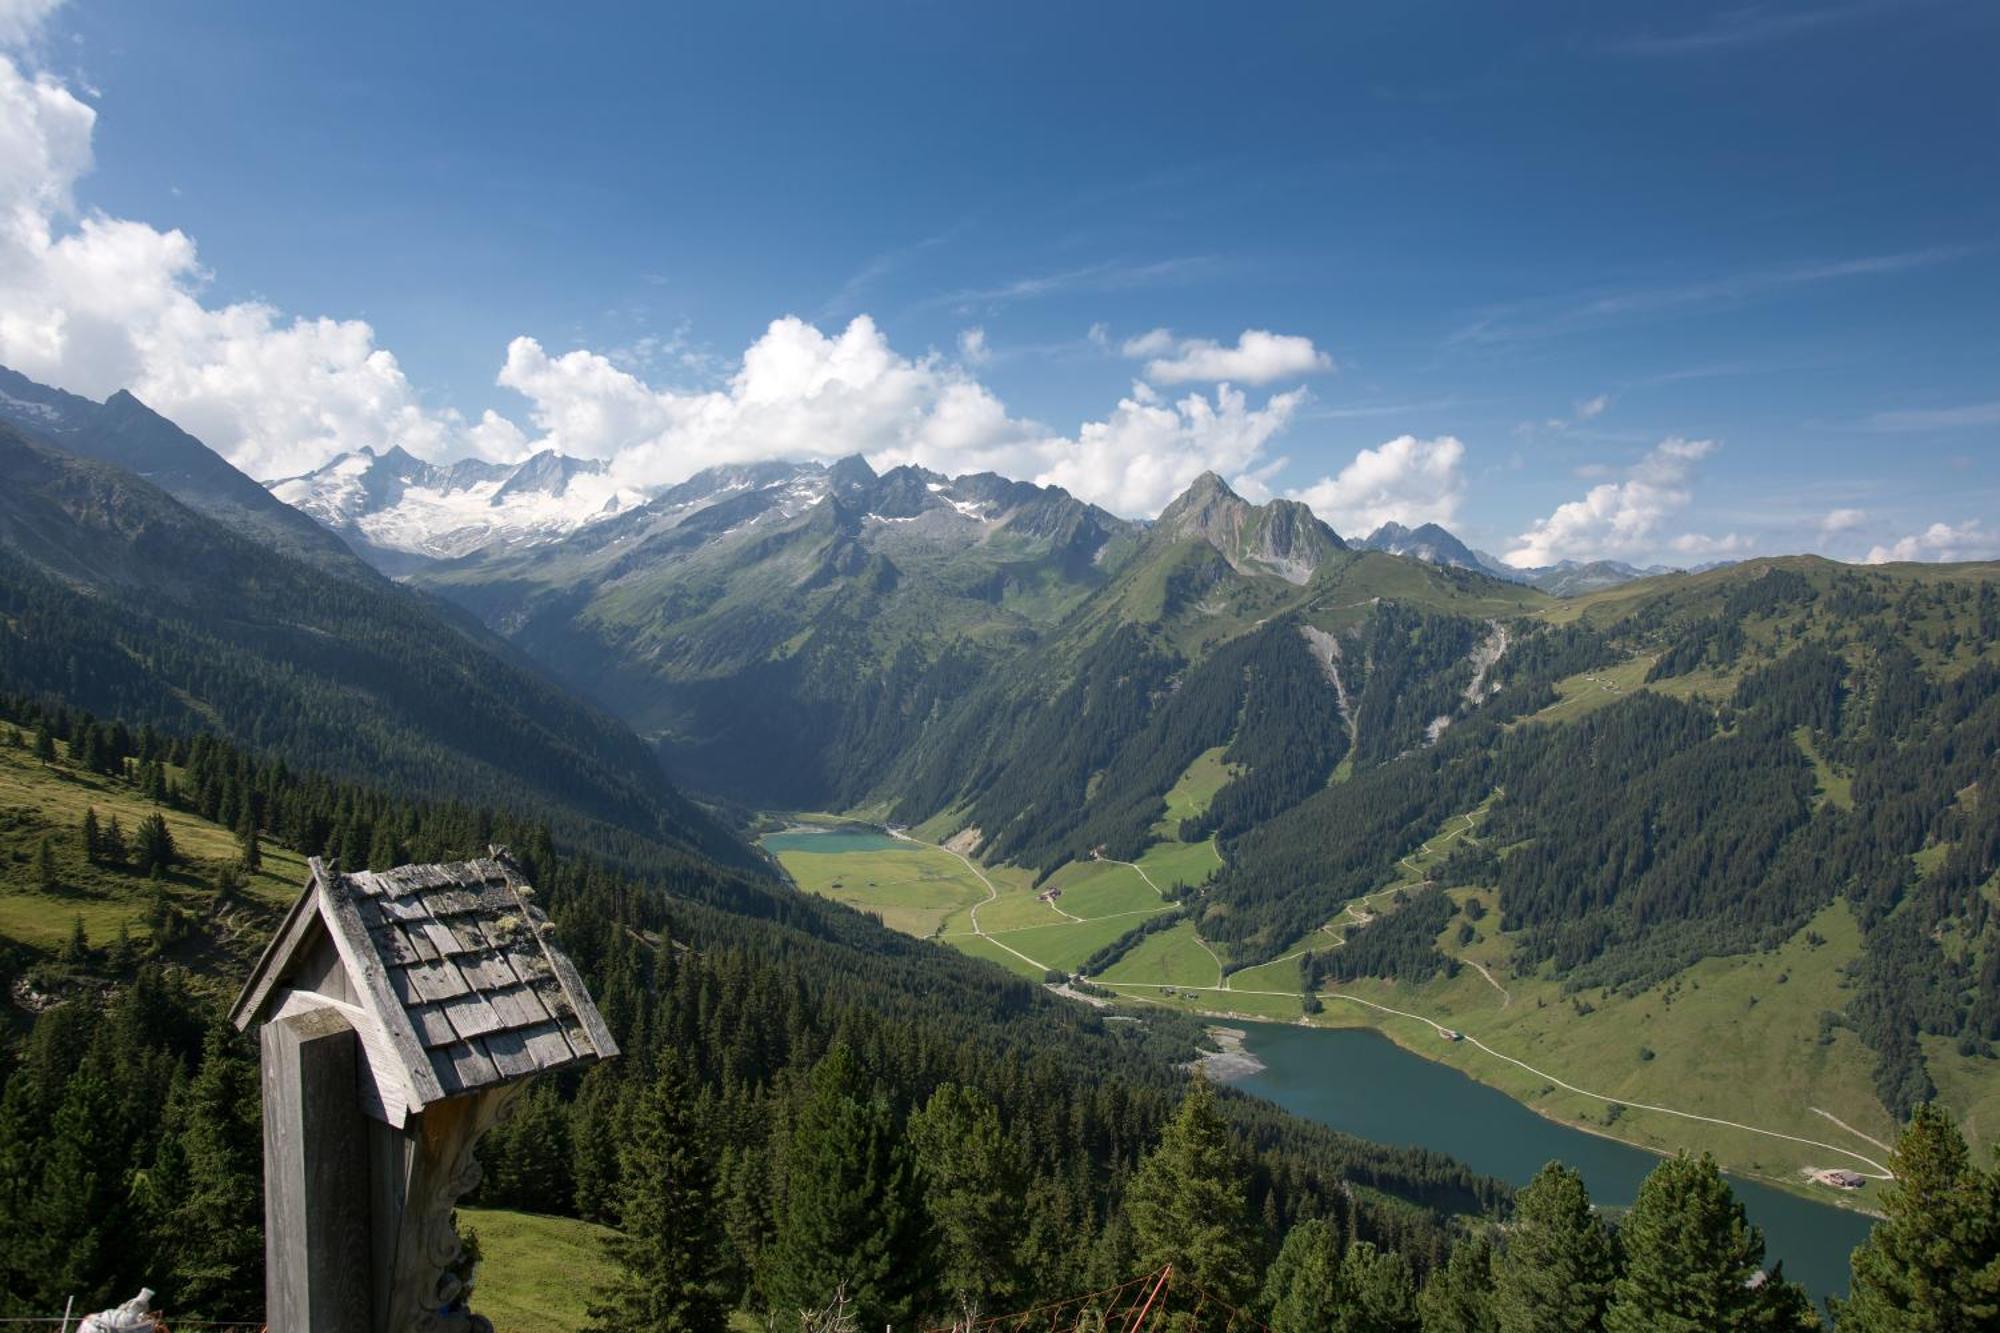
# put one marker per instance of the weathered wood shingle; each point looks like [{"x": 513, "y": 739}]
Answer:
[{"x": 457, "y": 965}]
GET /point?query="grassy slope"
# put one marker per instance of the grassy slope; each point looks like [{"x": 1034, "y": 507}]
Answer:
[
  {"x": 38, "y": 801},
  {"x": 537, "y": 1274}
]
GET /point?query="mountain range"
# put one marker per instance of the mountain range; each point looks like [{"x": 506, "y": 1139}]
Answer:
[
  {"x": 401, "y": 512},
  {"x": 405, "y": 515},
  {"x": 1664, "y": 771}
]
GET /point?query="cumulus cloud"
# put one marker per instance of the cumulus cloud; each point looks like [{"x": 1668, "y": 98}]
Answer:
[
  {"x": 95, "y": 303},
  {"x": 1407, "y": 480},
  {"x": 21, "y": 20},
  {"x": 1258, "y": 357},
  {"x": 1941, "y": 541},
  {"x": 801, "y": 392},
  {"x": 1842, "y": 520},
  {"x": 1591, "y": 407},
  {"x": 972, "y": 348},
  {"x": 1616, "y": 519}
]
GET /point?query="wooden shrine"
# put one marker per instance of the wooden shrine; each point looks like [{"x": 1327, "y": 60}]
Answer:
[{"x": 402, "y": 1011}]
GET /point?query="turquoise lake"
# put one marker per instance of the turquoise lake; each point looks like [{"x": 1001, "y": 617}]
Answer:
[
  {"x": 1362, "y": 1083},
  {"x": 849, "y": 838}
]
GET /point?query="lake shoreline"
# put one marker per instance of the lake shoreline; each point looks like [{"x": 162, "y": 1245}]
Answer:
[{"x": 1797, "y": 1189}]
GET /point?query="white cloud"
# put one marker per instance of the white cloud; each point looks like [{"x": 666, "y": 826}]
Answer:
[
  {"x": 802, "y": 393},
  {"x": 1616, "y": 519},
  {"x": 1941, "y": 541},
  {"x": 21, "y": 20},
  {"x": 94, "y": 303},
  {"x": 972, "y": 348},
  {"x": 1591, "y": 407},
  {"x": 1407, "y": 480},
  {"x": 1258, "y": 357},
  {"x": 1842, "y": 520}
]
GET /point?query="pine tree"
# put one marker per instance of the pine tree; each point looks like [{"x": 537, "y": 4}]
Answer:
[
  {"x": 1188, "y": 1207},
  {"x": 974, "y": 1185},
  {"x": 1380, "y": 1292},
  {"x": 215, "y": 1224},
  {"x": 155, "y": 845},
  {"x": 668, "y": 1254},
  {"x": 1459, "y": 1296},
  {"x": 45, "y": 744},
  {"x": 1932, "y": 1263},
  {"x": 1302, "y": 1288},
  {"x": 1555, "y": 1274},
  {"x": 76, "y": 950},
  {"x": 93, "y": 836},
  {"x": 46, "y": 873},
  {"x": 111, "y": 850},
  {"x": 384, "y": 852},
  {"x": 252, "y": 858},
  {"x": 851, "y": 1216},
  {"x": 1692, "y": 1259},
  {"x": 594, "y": 1146}
]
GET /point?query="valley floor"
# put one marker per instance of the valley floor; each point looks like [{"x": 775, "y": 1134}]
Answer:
[{"x": 1730, "y": 1057}]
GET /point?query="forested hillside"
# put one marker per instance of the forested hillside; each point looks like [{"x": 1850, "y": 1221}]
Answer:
[
  {"x": 128, "y": 1134},
  {"x": 1670, "y": 770},
  {"x": 117, "y": 598}
]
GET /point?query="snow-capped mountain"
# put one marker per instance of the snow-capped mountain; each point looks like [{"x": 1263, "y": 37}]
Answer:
[
  {"x": 401, "y": 512},
  {"x": 1429, "y": 543}
]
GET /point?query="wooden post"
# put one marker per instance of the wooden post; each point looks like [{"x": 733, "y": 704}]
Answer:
[{"x": 315, "y": 1177}]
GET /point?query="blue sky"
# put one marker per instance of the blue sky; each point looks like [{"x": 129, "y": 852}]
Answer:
[{"x": 1652, "y": 282}]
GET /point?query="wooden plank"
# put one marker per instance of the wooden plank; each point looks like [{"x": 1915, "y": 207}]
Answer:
[
  {"x": 469, "y": 1066},
  {"x": 271, "y": 965},
  {"x": 432, "y": 1026},
  {"x": 471, "y": 1016},
  {"x": 510, "y": 1055},
  {"x": 372, "y": 981},
  {"x": 439, "y": 936},
  {"x": 394, "y": 946},
  {"x": 549, "y": 1047},
  {"x": 316, "y": 1207},
  {"x": 433, "y": 982},
  {"x": 486, "y": 971}
]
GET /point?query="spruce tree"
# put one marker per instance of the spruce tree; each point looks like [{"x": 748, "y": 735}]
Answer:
[
  {"x": 1555, "y": 1274},
  {"x": 215, "y": 1224},
  {"x": 93, "y": 835},
  {"x": 851, "y": 1215},
  {"x": 1459, "y": 1296},
  {"x": 45, "y": 744},
  {"x": 252, "y": 857},
  {"x": 47, "y": 876},
  {"x": 111, "y": 850},
  {"x": 974, "y": 1184},
  {"x": 155, "y": 845},
  {"x": 1932, "y": 1263},
  {"x": 1188, "y": 1207},
  {"x": 1692, "y": 1260},
  {"x": 1302, "y": 1288},
  {"x": 1379, "y": 1292},
  {"x": 668, "y": 1254}
]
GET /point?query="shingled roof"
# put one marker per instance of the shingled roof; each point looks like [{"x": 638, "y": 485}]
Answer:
[{"x": 450, "y": 973}]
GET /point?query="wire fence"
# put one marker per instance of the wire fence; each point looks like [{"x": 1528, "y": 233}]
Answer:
[{"x": 1133, "y": 1306}]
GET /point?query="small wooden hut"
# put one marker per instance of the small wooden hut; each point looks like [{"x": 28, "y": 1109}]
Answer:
[{"x": 402, "y": 1011}]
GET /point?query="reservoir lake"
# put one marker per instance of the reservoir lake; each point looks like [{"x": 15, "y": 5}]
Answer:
[{"x": 1358, "y": 1081}]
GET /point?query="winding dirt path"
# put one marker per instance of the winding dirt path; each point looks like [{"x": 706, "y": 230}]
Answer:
[
  {"x": 1865, "y": 1138},
  {"x": 1880, "y": 1171},
  {"x": 991, "y": 894},
  {"x": 1505, "y": 998}
]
